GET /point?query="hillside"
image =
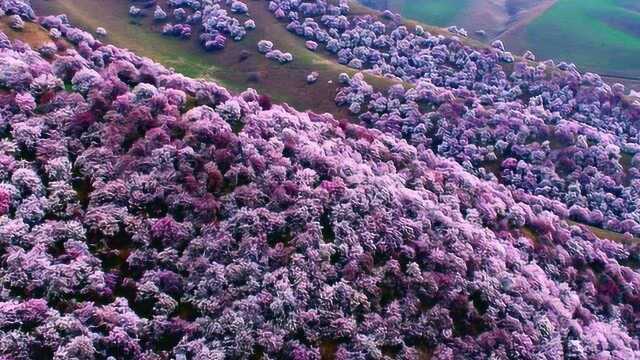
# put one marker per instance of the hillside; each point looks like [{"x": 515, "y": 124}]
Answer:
[
  {"x": 468, "y": 205},
  {"x": 492, "y": 16},
  {"x": 599, "y": 36},
  {"x": 231, "y": 68}
]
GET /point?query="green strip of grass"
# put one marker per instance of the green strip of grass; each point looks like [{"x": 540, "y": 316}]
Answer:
[
  {"x": 595, "y": 34},
  {"x": 435, "y": 12}
]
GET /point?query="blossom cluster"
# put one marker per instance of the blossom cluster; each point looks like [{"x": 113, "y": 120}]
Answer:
[
  {"x": 210, "y": 18},
  {"x": 266, "y": 47},
  {"x": 383, "y": 45},
  {"x": 567, "y": 136},
  {"x": 146, "y": 215}
]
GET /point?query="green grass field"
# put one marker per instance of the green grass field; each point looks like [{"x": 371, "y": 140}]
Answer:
[
  {"x": 435, "y": 12},
  {"x": 598, "y": 35}
]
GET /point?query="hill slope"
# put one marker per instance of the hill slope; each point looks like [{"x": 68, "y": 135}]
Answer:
[
  {"x": 147, "y": 215},
  {"x": 599, "y": 36},
  {"x": 283, "y": 83},
  {"x": 134, "y": 225}
]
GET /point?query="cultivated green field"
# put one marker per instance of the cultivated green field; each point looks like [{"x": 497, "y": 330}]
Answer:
[{"x": 598, "y": 35}]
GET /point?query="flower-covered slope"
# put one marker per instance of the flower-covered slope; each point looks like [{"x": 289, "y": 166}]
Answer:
[
  {"x": 146, "y": 215},
  {"x": 538, "y": 127}
]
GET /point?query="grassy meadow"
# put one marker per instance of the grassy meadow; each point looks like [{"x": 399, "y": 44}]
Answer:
[
  {"x": 435, "y": 12},
  {"x": 598, "y": 35}
]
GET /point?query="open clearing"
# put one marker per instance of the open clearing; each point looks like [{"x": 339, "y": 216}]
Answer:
[{"x": 493, "y": 16}]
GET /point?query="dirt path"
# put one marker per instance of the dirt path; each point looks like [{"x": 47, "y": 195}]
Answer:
[
  {"x": 488, "y": 15},
  {"x": 525, "y": 18}
]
